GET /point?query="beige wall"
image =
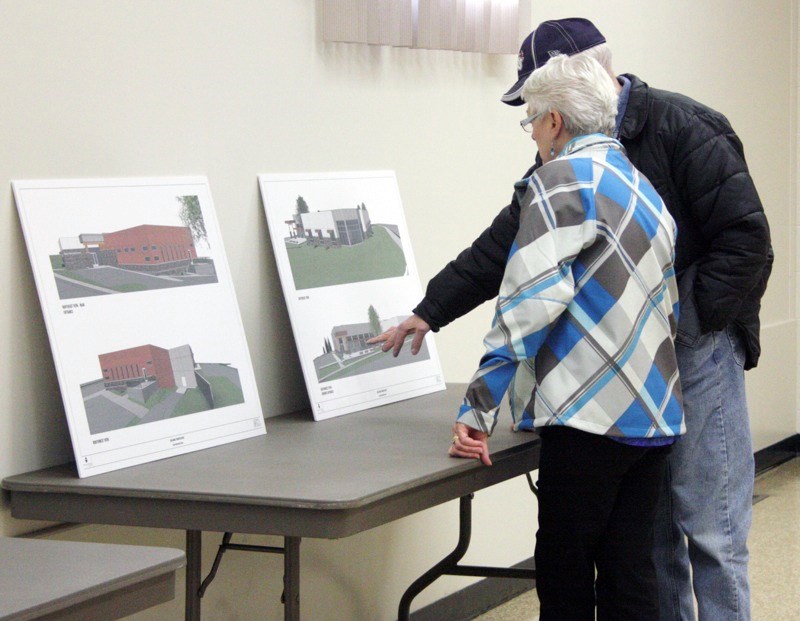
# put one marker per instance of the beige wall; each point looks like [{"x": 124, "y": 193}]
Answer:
[{"x": 233, "y": 89}]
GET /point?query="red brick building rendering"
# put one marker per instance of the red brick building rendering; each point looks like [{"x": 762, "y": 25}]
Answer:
[
  {"x": 145, "y": 361},
  {"x": 150, "y": 245}
]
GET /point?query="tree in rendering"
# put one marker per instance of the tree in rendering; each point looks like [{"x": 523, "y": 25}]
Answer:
[
  {"x": 192, "y": 217},
  {"x": 374, "y": 320},
  {"x": 302, "y": 205}
]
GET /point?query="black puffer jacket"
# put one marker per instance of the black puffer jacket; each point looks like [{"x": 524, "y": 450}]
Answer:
[{"x": 694, "y": 159}]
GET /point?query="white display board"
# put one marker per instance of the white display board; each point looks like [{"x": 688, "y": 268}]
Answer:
[
  {"x": 348, "y": 273},
  {"x": 142, "y": 317}
]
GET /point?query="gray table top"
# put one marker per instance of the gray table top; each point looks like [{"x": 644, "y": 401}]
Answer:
[
  {"x": 346, "y": 463},
  {"x": 40, "y": 577}
]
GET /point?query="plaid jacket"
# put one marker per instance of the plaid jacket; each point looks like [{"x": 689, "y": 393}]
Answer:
[{"x": 587, "y": 313}]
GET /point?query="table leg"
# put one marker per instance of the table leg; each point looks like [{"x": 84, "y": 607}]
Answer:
[
  {"x": 446, "y": 564},
  {"x": 194, "y": 544},
  {"x": 291, "y": 579},
  {"x": 449, "y": 566}
]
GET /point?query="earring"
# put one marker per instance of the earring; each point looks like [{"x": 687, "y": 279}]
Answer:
[{"x": 552, "y": 149}]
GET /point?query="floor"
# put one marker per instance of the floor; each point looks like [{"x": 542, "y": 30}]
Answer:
[{"x": 774, "y": 553}]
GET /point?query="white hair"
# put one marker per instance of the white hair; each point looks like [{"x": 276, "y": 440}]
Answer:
[
  {"x": 602, "y": 54},
  {"x": 579, "y": 88}
]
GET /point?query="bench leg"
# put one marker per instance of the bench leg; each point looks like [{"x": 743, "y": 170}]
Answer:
[{"x": 291, "y": 578}]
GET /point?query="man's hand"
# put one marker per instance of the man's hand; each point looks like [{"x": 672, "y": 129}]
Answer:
[
  {"x": 470, "y": 443},
  {"x": 394, "y": 337}
]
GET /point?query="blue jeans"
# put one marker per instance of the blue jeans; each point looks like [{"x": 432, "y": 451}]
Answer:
[{"x": 706, "y": 507}]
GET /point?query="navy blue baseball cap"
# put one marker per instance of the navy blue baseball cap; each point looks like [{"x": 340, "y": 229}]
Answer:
[{"x": 556, "y": 36}]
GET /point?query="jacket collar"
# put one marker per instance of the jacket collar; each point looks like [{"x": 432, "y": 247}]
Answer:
[
  {"x": 589, "y": 140},
  {"x": 636, "y": 110}
]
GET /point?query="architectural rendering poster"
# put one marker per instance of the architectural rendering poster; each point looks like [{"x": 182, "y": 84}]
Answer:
[
  {"x": 348, "y": 274},
  {"x": 142, "y": 317}
]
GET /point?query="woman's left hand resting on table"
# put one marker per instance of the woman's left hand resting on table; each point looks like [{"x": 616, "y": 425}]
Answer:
[{"x": 470, "y": 443}]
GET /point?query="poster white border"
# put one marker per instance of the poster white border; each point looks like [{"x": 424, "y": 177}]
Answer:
[
  {"x": 315, "y": 309},
  {"x": 205, "y": 317}
]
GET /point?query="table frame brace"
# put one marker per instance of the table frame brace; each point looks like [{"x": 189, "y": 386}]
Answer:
[
  {"x": 291, "y": 576},
  {"x": 449, "y": 566}
]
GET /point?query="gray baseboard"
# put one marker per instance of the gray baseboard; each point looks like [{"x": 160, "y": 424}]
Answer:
[
  {"x": 778, "y": 453},
  {"x": 477, "y": 598}
]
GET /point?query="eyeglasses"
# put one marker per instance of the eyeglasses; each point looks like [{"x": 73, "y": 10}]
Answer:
[{"x": 527, "y": 123}]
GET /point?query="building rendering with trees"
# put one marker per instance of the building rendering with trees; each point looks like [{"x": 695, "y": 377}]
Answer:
[
  {"x": 151, "y": 248},
  {"x": 333, "y": 227}
]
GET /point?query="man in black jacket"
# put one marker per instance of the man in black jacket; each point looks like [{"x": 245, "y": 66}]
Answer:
[{"x": 694, "y": 159}]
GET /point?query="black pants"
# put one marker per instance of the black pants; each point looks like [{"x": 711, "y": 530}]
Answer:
[{"x": 597, "y": 502}]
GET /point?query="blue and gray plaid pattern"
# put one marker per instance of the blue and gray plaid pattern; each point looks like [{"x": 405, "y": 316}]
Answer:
[{"x": 587, "y": 313}]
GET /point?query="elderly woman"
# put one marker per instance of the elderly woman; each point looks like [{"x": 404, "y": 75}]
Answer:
[{"x": 583, "y": 342}]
